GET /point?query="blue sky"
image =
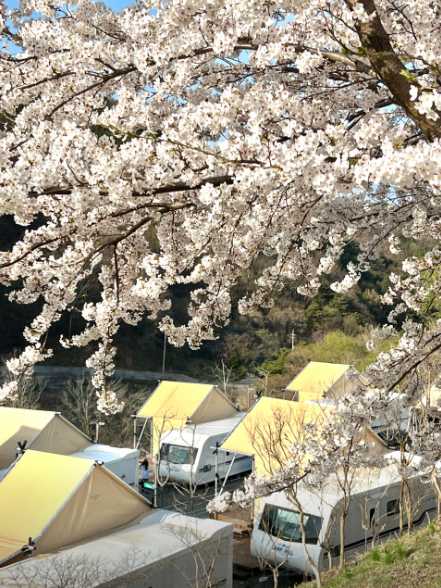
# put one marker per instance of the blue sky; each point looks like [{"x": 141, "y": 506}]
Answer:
[
  {"x": 114, "y": 4},
  {"x": 118, "y": 4}
]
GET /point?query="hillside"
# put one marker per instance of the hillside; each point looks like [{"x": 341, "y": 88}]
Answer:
[
  {"x": 412, "y": 560},
  {"x": 244, "y": 345}
]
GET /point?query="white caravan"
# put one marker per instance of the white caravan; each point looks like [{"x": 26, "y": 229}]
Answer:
[
  {"x": 190, "y": 455},
  {"x": 373, "y": 514},
  {"x": 122, "y": 461}
]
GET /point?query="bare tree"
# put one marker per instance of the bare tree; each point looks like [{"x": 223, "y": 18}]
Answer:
[
  {"x": 372, "y": 525},
  {"x": 64, "y": 571},
  {"x": 293, "y": 497},
  {"x": 191, "y": 495},
  {"x": 276, "y": 442},
  {"x": 78, "y": 403},
  {"x": 223, "y": 375},
  {"x": 303, "y": 448},
  {"x": 426, "y": 446}
]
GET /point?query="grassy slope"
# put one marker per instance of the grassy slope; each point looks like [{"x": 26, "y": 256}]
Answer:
[{"x": 413, "y": 561}]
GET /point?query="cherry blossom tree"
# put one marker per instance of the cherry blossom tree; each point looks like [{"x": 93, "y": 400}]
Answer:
[{"x": 179, "y": 142}]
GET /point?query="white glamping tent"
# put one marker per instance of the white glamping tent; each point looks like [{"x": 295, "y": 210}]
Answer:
[
  {"x": 50, "y": 501},
  {"x": 48, "y": 431},
  {"x": 41, "y": 430}
]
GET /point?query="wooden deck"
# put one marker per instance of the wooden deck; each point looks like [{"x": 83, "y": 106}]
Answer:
[
  {"x": 240, "y": 518},
  {"x": 242, "y": 557},
  {"x": 242, "y": 522}
]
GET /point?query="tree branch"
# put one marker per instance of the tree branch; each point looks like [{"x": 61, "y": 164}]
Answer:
[{"x": 376, "y": 42}]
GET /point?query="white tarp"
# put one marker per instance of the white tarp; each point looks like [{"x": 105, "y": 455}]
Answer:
[
  {"x": 122, "y": 461},
  {"x": 162, "y": 550}
]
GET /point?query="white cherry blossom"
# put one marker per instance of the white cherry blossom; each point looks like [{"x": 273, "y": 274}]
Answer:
[{"x": 180, "y": 142}]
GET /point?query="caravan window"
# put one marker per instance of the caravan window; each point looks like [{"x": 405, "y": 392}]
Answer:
[
  {"x": 285, "y": 524},
  {"x": 392, "y": 507},
  {"x": 178, "y": 454}
]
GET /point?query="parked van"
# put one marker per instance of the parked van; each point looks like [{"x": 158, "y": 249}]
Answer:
[
  {"x": 374, "y": 513},
  {"x": 191, "y": 455}
]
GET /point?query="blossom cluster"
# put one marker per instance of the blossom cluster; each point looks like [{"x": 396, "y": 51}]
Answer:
[{"x": 178, "y": 143}]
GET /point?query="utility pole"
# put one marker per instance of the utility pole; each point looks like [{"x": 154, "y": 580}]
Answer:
[
  {"x": 133, "y": 417},
  {"x": 98, "y": 424},
  {"x": 293, "y": 339},
  {"x": 164, "y": 351},
  {"x": 224, "y": 377}
]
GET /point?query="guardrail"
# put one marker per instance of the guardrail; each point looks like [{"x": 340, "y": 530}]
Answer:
[{"x": 49, "y": 371}]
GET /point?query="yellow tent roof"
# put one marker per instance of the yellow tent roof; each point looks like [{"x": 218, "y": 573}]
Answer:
[
  {"x": 270, "y": 429},
  {"x": 315, "y": 380},
  {"x": 33, "y": 492},
  {"x": 12, "y": 420},
  {"x": 42, "y": 430},
  {"x": 175, "y": 400}
]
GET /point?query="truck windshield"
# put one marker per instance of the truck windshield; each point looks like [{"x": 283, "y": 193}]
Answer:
[
  {"x": 179, "y": 454},
  {"x": 286, "y": 524}
]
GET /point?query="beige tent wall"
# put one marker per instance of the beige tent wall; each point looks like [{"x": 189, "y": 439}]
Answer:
[
  {"x": 8, "y": 449},
  {"x": 59, "y": 436},
  {"x": 215, "y": 407},
  {"x": 102, "y": 503},
  {"x": 342, "y": 387}
]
